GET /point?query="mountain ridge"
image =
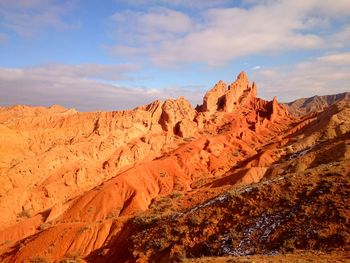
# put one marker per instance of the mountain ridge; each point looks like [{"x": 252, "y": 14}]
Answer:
[{"x": 315, "y": 103}]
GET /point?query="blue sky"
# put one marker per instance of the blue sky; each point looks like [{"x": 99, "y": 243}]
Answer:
[{"x": 117, "y": 54}]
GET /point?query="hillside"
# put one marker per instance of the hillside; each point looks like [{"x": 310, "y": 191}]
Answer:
[
  {"x": 314, "y": 104},
  {"x": 237, "y": 176}
]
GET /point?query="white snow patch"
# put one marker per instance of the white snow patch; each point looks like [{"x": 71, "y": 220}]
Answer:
[{"x": 220, "y": 199}]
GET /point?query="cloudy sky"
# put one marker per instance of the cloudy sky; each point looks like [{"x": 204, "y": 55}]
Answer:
[{"x": 117, "y": 54}]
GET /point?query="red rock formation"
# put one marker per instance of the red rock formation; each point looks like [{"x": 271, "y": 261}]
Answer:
[
  {"x": 212, "y": 100},
  {"x": 174, "y": 111},
  {"x": 277, "y": 110},
  {"x": 235, "y": 92},
  {"x": 227, "y": 98},
  {"x": 93, "y": 171}
]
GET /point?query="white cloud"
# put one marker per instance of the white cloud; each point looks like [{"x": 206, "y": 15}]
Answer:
[
  {"x": 341, "y": 38},
  {"x": 336, "y": 59},
  {"x": 328, "y": 74},
  {"x": 219, "y": 35},
  {"x": 142, "y": 27},
  {"x": 76, "y": 86},
  {"x": 30, "y": 17}
]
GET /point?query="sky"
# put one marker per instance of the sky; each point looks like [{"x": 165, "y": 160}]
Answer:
[{"x": 117, "y": 54}]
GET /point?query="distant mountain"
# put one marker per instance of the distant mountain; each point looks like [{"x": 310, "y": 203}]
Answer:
[{"x": 314, "y": 104}]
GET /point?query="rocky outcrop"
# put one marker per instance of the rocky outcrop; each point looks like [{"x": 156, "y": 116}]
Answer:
[
  {"x": 227, "y": 98},
  {"x": 185, "y": 128},
  {"x": 174, "y": 111},
  {"x": 277, "y": 110},
  {"x": 155, "y": 108},
  {"x": 212, "y": 100}
]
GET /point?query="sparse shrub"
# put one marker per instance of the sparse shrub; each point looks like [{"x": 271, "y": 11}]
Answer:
[
  {"x": 38, "y": 260},
  {"x": 289, "y": 245},
  {"x": 164, "y": 200},
  {"x": 44, "y": 226},
  {"x": 145, "y": 220},
  {"x": 114, "y": 214},
  {"x": 270, "y": 211},
  {"x": 99, "y": 187},
  {"x": 111, "y": 216},
  {"x": 179, "y": 229},
  {"x": 72, "y": 257},
  {"x": 194, "y": 220},
  {"x": 159, "y": 244},
  {"x": 24, "y": 214},
  {"x": 212, "y": 220},
  {"x": 188, "y": 139},
  {"x": 177, "y": 254},
  {"x": 163, "y": 174},
  {"x": 83, "y": 229},
  {"x": 161, "y": 205},
  {"x": 234, "y": 193},
  {"x": 69, "y": 260},
  {"x": 254, "y": 212},
  {"x": 6, "y": 242},
  {"x": 178, "y": 185},
  {"x": 176, "y": 195},
  {"x": 233, "y": 236},
  {"x": 21, "y": 246}
]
